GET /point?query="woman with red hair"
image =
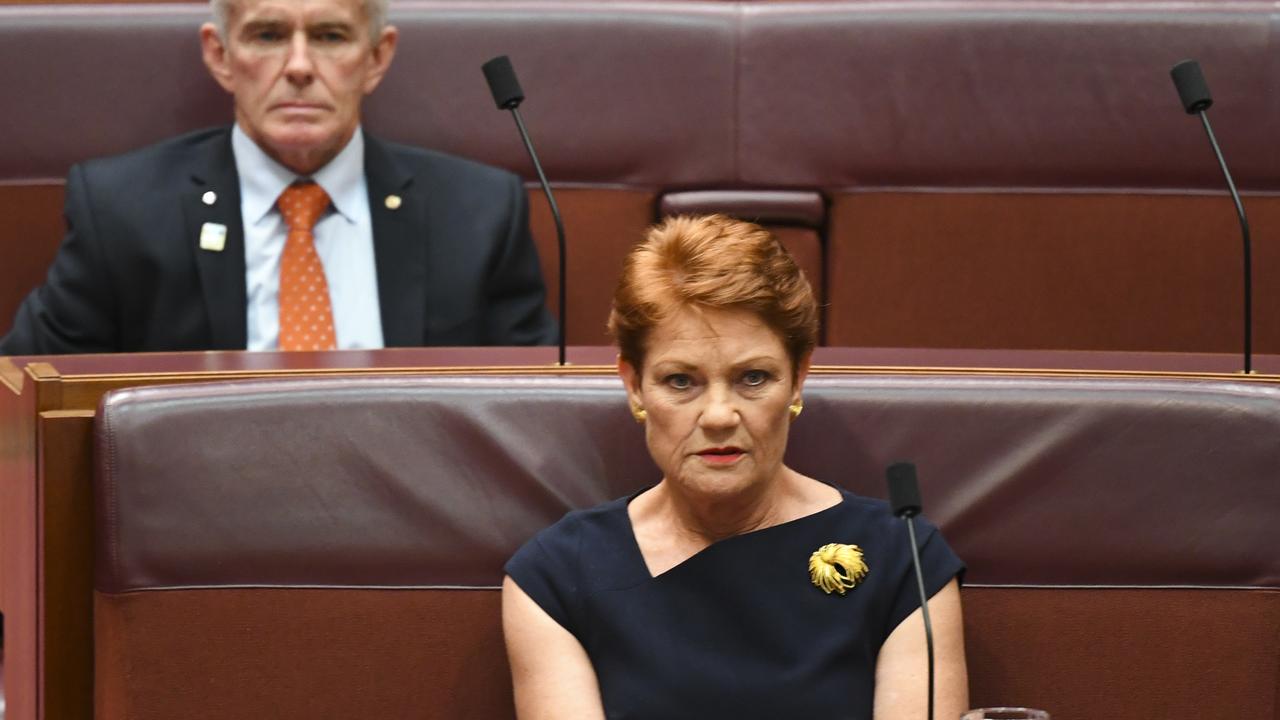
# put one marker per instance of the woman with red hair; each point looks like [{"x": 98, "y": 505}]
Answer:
[{"x": 735, "y": 587}]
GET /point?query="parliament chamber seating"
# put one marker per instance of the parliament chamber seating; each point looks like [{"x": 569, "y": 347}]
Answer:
[
  {"x": 991, "y": 174},
  {"x": 952, "y": 174},
  {"x": 331, "y": 547}
]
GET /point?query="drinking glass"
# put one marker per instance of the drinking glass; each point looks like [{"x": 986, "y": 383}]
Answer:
[{"x": 1005, "y": 713}]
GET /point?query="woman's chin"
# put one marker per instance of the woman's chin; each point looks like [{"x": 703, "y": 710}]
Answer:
[{"x": 719, "y": 480}]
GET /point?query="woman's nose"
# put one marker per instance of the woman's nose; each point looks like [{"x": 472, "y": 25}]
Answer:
[{"x": 720, "y": 410}]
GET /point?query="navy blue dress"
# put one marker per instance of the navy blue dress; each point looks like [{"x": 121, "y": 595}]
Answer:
[{"x": 737, "y": 630}]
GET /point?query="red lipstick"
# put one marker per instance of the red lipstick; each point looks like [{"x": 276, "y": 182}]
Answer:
[{"x": 722, "y": 455}]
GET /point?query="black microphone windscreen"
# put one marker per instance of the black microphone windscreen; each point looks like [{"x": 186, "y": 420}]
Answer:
[
  {"x": 1192, "y": 89},
  {"x": 904, "y": 493},
  {"x": 502, "y": 82}
]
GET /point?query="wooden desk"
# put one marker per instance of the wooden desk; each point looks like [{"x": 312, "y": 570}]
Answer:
[{"x": 47, "y": 406}]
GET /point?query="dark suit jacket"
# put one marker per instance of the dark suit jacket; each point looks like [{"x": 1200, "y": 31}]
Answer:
[{"x": 455, "y": 261}]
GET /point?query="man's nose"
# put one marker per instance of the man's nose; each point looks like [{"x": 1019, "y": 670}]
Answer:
[{"x": 298, "y": 66}]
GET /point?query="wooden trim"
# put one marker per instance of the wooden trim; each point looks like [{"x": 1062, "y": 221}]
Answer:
[
  {"x": 83, "y": 392},
  {"x": 66, "y": 564},
  {"x": 18, "y": 552},
  {"x": 10, "y": 375}
]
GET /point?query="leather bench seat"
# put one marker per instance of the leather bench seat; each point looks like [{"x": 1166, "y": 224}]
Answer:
[{"x": 331, "y": 546}]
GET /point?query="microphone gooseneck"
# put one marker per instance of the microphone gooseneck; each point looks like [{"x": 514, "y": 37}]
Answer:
[
  {"x": 1193, "y": 91},
  {"x": 904, "y": 498},
  {"x": 507, "y": 95}
]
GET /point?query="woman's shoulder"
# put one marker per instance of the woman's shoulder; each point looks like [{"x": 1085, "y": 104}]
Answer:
[
  {"x": 865, "y": 508},
  {"x": 583, "y": 551},
  {"x": 601, "y": 523},
  {"x": 596, "y": 542}
]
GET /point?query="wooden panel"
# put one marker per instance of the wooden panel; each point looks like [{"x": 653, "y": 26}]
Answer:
[
  {"x": 302, "y": 653},
  {"x": 29, "y": 238},
  {"x": 1088, "y": 653},
  {"x": 66, "y": 563},
  {"x": 805, "y": 247},
  {"x": 18, "y": 550},
  {"x": 601, "y": 225},
  {"x": 1062, "y": 271}
]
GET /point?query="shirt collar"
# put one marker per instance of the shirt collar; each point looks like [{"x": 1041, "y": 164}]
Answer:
[{"x": 262, "y": 179}]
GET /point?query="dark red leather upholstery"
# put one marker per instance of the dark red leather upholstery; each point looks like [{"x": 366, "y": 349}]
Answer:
[
  {"x": 1002, "y": 95},
  {"x": 235, "y": 520},
  {"x": 833, "y": 95},
  {"x": 436, "y": 481}
]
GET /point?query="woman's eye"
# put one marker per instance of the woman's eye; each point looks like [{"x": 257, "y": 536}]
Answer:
[
  {"x": 754, "y": 378},
  {"x": 679, "y": 381}
]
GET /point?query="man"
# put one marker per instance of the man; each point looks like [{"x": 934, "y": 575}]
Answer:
[{"x": 293, "y": 229}]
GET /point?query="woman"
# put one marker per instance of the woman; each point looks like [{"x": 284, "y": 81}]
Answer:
[{"x": 736, "y": 587}]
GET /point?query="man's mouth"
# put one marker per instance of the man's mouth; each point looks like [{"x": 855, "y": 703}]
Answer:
[{"x": 299, "y": 106}]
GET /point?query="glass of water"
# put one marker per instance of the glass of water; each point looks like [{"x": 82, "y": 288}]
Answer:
[{"x": 1005, "y": 713}]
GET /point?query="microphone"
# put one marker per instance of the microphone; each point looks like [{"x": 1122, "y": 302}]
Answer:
[
  {"x": 507, "y": 95},
  {"x": 1194, "y": 93},
  {"x": 904, "y": 498}
]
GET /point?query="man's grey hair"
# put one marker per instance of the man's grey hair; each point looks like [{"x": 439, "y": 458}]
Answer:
[{"x": 376, "y": 10}]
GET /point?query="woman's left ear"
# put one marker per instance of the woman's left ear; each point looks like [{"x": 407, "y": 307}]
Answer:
[{"x": 797, "y": 397}]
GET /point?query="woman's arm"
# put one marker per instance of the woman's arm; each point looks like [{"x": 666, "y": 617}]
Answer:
[
  {"x": 550, "y": 671},
  {"x": 902, "y": 670}
]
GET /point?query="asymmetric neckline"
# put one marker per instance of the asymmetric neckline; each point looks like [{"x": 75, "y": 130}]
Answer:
[{"x": 633, "y": 543}]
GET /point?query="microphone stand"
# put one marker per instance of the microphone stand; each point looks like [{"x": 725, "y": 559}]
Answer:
[
  {"x": 507, "y": 95},
  {"x": 1193, "y": 91},
  {"x": 1244, "y": 231},
  {"x": 924, "y": 605},
  {"x": 904, "y": 499}
]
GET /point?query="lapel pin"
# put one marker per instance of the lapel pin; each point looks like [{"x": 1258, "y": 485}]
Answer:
[
  {"x": 209, "y": 198},
  {"x": 393, "y": 202},
  {"x": 213, "y": 236}
]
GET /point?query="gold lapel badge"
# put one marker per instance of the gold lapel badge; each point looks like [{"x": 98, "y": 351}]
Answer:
[
  {"x": 393, "y": 202},
  {"x": 835, "y": 567}
]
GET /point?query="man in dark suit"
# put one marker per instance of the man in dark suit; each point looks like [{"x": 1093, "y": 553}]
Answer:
[{"x": 179, "y": 246}]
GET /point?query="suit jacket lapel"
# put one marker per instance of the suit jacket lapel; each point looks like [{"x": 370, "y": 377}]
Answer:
[
  {"x": 214, "y": 198},
  {"x": 399, "y": 246}
]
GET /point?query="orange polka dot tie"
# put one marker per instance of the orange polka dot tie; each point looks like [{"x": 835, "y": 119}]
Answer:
[{"x": 306, "y": 317}]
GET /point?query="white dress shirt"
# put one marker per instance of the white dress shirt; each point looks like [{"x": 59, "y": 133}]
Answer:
[{"x": 343, "y": 236}]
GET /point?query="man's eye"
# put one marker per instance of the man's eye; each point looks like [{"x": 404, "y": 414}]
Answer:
[
  {"x": 330, "y": 36},
  {"x": 755, "y": 378},
  {"x": 679, "y": 381},
  {"x": 268, "y": 36}
]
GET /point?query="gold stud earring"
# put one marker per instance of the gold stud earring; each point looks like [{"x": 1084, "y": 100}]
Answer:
[
  {"x": 795, "y": 409},
  {"x": 639, "y": 414}
]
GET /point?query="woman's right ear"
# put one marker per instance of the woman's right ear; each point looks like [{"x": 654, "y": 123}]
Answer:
[{"x": 630, "y": 381}]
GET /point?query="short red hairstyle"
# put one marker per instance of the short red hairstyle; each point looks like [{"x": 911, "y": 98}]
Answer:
[{"x": 712, "y": 261}]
